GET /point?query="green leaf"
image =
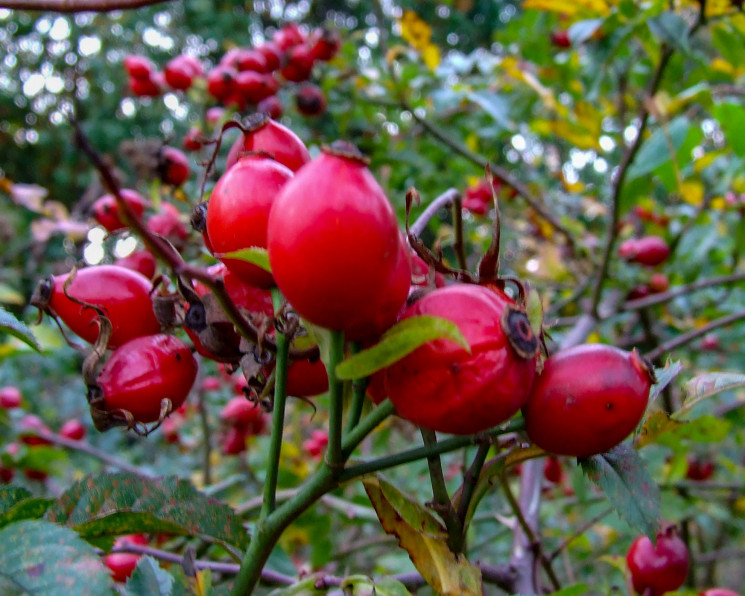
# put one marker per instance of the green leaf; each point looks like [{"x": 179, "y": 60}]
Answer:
[
  {"x": 655, "y": 151},
  {"x": 731, "y": 118},
  {"x": 535, "y": 311},
  {"x": 115, "y": 504},
  {"x": 704, "y": 429},
  {"x": 9, "y": 324},
  {"x": 361, "y": 585},
  {"x": 572, "y": 590},
  {"x": 630, "y": 489},
  {"x": 148, "y": 579},
  {"x": 495, "y": 105},
  {"x": 708, "y": 385},
  {"x": 305, "y": 587},
  {"x": 581, "y": 31},
  {"x": 10, "y": 295},
  {"x": 10, "y": 496},
  {"x": 400, "y": 340},
  {"x": 655, "y": 425},
  {"x": 254, "y": 255},
  {"x": 671, "y": 29},
  {"x": 41, "y": 558},
  {"x": 425, "y": 539},
  {"x": 30, "y": 508},
  {"x": 664, "y": 378}
]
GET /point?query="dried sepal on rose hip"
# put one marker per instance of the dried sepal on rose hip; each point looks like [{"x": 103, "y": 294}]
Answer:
[
  {"x": 442, "y": 387},
  {"x": 587, "y": 399},
  {"x": 143, "y": 381}
]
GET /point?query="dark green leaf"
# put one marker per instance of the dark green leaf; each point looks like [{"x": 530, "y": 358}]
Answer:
[
  {"x": 148, "y": 579},
  {"x": 400, "y": 340},
  {"x": 630, "y": 489},
  {"x": 9, "y": 324},
  {"x": 45, "y": 559},
  {"x": 664, "y": 378},
  {"x": 656, "y": 149},
  {"x": 671, "y": 29},
  {"x": 577, "y": 590},
  {"x": 114, "y": 504},
  {"x": 10, "y": 496},
  {"x": 254, "y": 255},
  {"x": 731, "y": 118},
  {"x": 31, "y": 508}
]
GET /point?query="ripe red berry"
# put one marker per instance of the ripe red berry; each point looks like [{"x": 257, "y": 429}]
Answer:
[
  {"x": 325, "y": 44},
  {"x": 139, "y": 67},
  {"x": 699, "y": 470},
  {"x": 193, "y": 140},
  {"x": 10, "y": 397},
  {"x": 106, "y": 210},
  {"x": 141, "y": 261},
  {"x": 271, "y": 106},
  {"x": 710, "y": 342},
  {"x": 173, "y": 166},
  {"x": 317, "y": 442},
  {"x": 333, "y": 241},
  {"x": 168, "y": 223},
  {"x": 142, "y": 372},
  {"x": 181, "y": 71},
  {"x": 32, "y": 423},
  {"x": 658, "y": 568},
  {"x": 254, "y": 86},
  {"x": 658, "y": 282},
  {"x": 123, "y": 295},
  {"x": 310, "y": 100},
  {"x": 299, "y": 64},
  {"x": 560, "y": 39},
  {"x": 649, "y": 251},
  {"x": 272, "y": 138},
  {"x": 234, "y": 441},
  {"x": 145, "y": 87},
  {"x": 245, "y": 59},
  {"x": 238, "y": 212},
  {"x": 170, "y": 428},
  {"x": 72, "y": 429},
  {"x": 240, "y": 413},
  {"x": 442, "y": 387},
  {"x": 420, "y": 271},
  {"x": 221, "y": 82},
  {"x": 587, "y": 399},
  {"x": 211, "y": 383},
  {"x": 288, "y": 36},
  {"x": 121, "y": 565},
  {"x": 304, "y": 378},
  {"x": 272, "y": 54},
  {"x": 552, "y": 470}
]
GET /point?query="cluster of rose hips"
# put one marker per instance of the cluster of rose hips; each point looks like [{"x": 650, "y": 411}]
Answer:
[
  {"x": 247, "y": 77},
  {"x": 29, "y": 426}
]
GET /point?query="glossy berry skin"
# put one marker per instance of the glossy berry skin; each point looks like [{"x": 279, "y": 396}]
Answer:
[
  {"x": 139, "y": 67},
  {"x": 233, "y": 441},
  {"x": 552, "y": 470},
  {"x": 254, "y": 86},
  {"x": 271, "y": 106},
  {"x": 272, "y": 54},
  {"x": 718, "y": 592},
  {"x": 106, "y": 210},
  {"x": 173, "y": 166},
  {"x": 587, "y": 399},
  {"x": 141, "y": 261},
  {"x": 699, "y": 469},
  {"x": 145, "y": 87},
  {"x": 658, "y": 568},
  {"x": 310, "y": 100},
  {"x": 274, "y": 139},
  {"x": 72, "y": 429},
  {"x": 181, "y": 71},
  {"x": 238, "y": 213},
  {"x": 304, "y": 378},
  {"x": 325, "y": 44},
  {"x": 121, "y": 565},
  {"x": 288, "y": 36},
  {"x": 10, "y": 397},
  {"x": 299, "y": 64},
  {"x": 560, "y": 39},
  {"x": 317, "y": 442},
  {"x": 333, "y": 242},
  {"x": 193, "y": 140},
  {"x": 420, "y": 270},
  {"x": 221, "y": 82},
  {"x": 648, "y": 251},
  {"x": 123, "y": 294},
  {"x": 140, "y": 373},
  {"x": 442, "y": 387}
]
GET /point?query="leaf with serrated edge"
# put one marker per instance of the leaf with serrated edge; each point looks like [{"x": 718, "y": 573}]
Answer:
[
  {"x": 148, "y": 579},
  {"x": 361, "y": 584},
  {"x": 399, "y": 341},
  {"x": 664, "y": 377},
  {"x": 630, "y": 489},
  {"x": 655, "y": 425},
  {"x": 705, "y": 386},
  {"x": 254, "y": 255},
  {"x": 11, "y": 496},
  {"x": 26, "y": 509},
  {"x": 424, "y": 538},
  {"x": 9, "y": 324},
  {"x": 114, "y": 504},
  {"x": 48, "y": 559}
]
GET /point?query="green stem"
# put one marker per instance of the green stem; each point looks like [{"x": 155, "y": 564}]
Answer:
[
  {"x": 366, "y": 426},
  {"x": 411, "y": 455},
  {"x": 334, "y": 456},
  {"x": 469, "y": 483},
  {"x": 278, "y": 417},
  {"x": 443, "y": 504},
  {"x": 358, "y": 396}
]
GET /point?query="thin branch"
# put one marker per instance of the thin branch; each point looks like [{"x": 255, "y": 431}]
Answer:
[
  {"x": 71, "y": 6},
  {"x": 443, "y": 201},
  {"x": 640, "y": 303},
  {"x": 88, "y": 449},
  {"x": 578, "y": 532},
  {"x": 688, "y": 337}
]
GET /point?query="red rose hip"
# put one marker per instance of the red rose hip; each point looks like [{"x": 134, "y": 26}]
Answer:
[
  {"x": 658, "y": 568},
  {"x": 587, "y": 399}
]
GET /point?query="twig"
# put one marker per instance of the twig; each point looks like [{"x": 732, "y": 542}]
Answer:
[
  {"x": 88, "y": 449},
  {"x": 443, "y": 201},
  {"x": 640, "y": 303},
  {"x": 78, "y": 5},
  {"x": 578, "y": 532},
  {"x": 694, "y": 334},
  {"x": 442, "y": 503}
]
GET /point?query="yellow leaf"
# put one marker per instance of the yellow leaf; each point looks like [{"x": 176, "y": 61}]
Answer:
[
  {"x": 692, "y": 191},
  {"x": 718, "y": 203},
  {"x": 431, "y": 55},
  {"x": 472, "y": 142},
  {"x": 415, "y": 30},
  {"x": 593, "y": 338},
  {"x": 721, "y": 65},
  {"x": 571, "y": 8}
]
